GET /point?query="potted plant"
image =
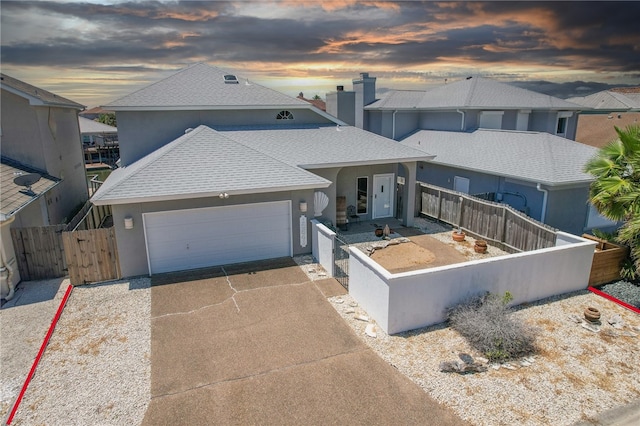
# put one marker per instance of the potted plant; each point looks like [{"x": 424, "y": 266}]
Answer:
[
  {"x": 458, "y": 235},
  {"x": 480, "y": 246}
]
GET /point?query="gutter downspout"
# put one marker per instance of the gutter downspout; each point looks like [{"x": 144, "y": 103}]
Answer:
[
  {"x": 462, "y": 122},
  {"x": 544, "y": 201},
  {"x": 4, "y": 265},
  {"x": 393, "y": 125}
]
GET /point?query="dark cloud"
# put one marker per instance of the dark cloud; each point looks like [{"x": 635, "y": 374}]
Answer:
[
  {"x": 145, "y": 37},
  {"x": 603, "y": 35}
]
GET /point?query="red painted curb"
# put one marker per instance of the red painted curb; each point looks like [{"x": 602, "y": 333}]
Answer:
[
  {"x": 42, "y": 348},
  {"x": 613, "y": 299}
]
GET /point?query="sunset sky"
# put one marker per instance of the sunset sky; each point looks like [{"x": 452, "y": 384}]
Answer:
[{"x": 96, "y": 51}]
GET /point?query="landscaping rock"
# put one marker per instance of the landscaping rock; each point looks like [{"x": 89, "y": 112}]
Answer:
[
  {"x": 466, "y": 358},
  {"x": 591, "y": 327},
  {"x": 616, "y": 321},
  {"x": 362, "y": 318},
  {"x": 461, "y": 367},
  {"x": 371, "y": 331}
]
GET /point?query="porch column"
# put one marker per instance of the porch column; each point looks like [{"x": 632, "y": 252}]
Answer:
[{"x": 409, "y": 195}]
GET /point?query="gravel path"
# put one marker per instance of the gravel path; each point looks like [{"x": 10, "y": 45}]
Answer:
[
  {"x": 96, "y": 369},
  {"x": 623, "y": 290}
]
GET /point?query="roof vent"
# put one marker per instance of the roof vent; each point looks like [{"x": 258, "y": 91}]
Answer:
[
  {"x": 469, "y": 78},
  {"x": 189, "y": 130},
  {"x": 231, "y": 79}
]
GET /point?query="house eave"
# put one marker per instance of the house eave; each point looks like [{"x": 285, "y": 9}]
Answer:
[
  {"x": 544, "y": 182},
  {"x": 209, "y": 194},
  {"x": 312, "y": 166},
  {"x": 205, "y": 107},
  {"x": 34, "y": 101}
]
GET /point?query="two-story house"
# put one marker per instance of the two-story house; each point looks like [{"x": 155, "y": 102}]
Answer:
[
  {"x": 216, "y": 169},
  {"x": 40, "y": 137},
  {"x": 491, "y": 139}
]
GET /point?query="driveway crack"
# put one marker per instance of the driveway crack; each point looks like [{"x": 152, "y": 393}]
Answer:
[{"x": 264, "y": 373}]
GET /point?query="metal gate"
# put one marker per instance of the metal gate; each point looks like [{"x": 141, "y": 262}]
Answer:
[{"x": 341, "y": 261}]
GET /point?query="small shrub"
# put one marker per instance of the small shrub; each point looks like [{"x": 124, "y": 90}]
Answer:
[{"x": 487, "y": 324}]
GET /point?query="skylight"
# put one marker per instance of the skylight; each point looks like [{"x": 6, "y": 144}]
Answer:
[{"x": 231, "y": 79}]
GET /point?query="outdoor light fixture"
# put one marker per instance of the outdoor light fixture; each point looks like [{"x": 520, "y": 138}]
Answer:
[
  {"x": 128, "y": 222},
  {"x": 223, "y": 195},
  {"x": 303, "y": 206}
]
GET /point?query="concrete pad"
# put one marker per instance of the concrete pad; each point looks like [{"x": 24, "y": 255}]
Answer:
[
  {"x": 274, "y": 327},
  {"x": 350, "y": 388},
  {"x": 330, "y": 287}
]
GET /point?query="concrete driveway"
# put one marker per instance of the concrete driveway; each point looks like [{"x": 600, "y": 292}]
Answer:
[{"x": 260, "y": 344}]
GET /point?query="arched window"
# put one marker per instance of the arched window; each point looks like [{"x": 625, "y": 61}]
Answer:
[{"x": 284, "y": 115}]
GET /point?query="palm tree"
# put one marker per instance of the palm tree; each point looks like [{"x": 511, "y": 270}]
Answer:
[{"x": 616, "y": 190}]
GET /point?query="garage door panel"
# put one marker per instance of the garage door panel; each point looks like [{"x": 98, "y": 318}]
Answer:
[{"x": 188, "y": 239}]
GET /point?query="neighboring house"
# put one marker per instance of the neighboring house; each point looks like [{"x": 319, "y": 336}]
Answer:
[
  {"x": 217, "y": 171},
  {"x": 99, "y": 143},
  {"x": 492, "y": 139},
  {"x": 621, "y": 99},
  {"x": 96, "y": 133},
  {"x": 40, "y": 134},
  {"x": 318, "y": 103},
  {"x": 618, "y": 107},
  {"x": 94, "y": 113}
]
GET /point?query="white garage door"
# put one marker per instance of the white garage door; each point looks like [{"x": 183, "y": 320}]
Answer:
[{"x": 196, "y": 238}]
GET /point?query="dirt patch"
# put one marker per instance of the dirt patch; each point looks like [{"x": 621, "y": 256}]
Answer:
[{"x": 421, "y": 252}]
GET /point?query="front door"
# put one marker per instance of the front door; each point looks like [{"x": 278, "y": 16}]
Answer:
[{"x": 383, "y": 191}]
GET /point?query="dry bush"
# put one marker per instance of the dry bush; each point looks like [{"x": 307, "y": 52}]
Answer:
[{"x": 487, "y": 324}]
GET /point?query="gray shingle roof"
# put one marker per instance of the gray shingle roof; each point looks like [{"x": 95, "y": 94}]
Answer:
[
  {"x": 609, "y": 101},
  {"x": 530, "y": 156},
  {"x": 201, "y": 86},
  {"x": 14, "y": 198},
  {"x": 36, "y": 95},
  {"x": 202, "y": 163},
  {"x": 242, "y": 160},
  {"x": 316, "y": 146},
  {"x": 474, "y": 93},
  {"x": 91, "y": 126}
]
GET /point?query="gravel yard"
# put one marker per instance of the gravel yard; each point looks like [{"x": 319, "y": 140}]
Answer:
[
  {"x": 576, "y": 375},
  {"x": 96, "y": 369}
]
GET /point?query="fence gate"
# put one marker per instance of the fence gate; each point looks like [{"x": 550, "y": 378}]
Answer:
[
  {"x": 92, "y": 255},
  {"x": 341, "y": 261}
]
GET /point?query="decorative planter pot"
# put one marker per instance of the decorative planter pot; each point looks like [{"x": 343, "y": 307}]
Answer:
[
  {"x": 480, "y": 246},
  {"x": 379, "y": 232},
  {"x": 458, "y": 236},
  {"x": 592, "y": 314}
]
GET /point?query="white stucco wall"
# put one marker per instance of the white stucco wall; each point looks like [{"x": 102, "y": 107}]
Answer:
[
  {"x": 323, "y": 243},
  {"x": 410, "y": 300}
]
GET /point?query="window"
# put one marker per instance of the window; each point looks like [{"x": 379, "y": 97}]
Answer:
[
  {"x": 562, "y": 126},
  {"x": 563, "y": 118},
  {"x": 284, "y": 115},
  {"x": 491, "y": 119},
  {"x": 362, "y": 192}
]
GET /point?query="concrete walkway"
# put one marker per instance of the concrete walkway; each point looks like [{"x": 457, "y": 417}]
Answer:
[{"x": 260, "y": 344}]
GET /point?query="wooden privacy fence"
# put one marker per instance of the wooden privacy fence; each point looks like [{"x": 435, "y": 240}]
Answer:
[
  {"x": 81, "y": 249},
  {"x": 498, "y": 223},
  {"x": 39, "y": 252}
]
